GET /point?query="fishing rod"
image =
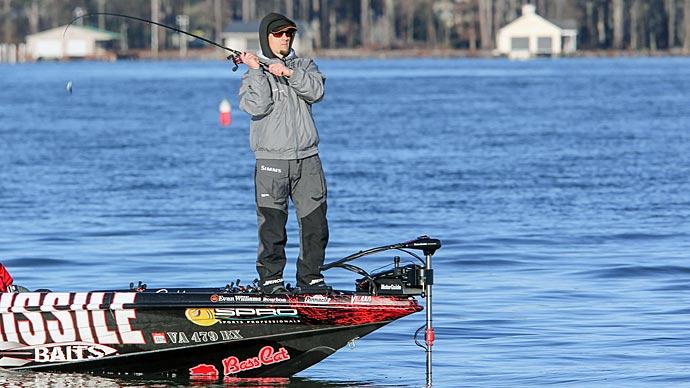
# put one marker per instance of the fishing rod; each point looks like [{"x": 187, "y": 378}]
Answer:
[{"x": 234, "y": 56}]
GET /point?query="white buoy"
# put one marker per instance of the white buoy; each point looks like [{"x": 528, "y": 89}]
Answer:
[{"x": 69, "y": 87}]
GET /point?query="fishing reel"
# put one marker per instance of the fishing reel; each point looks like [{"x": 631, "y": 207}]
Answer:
[{"x": 236, "y": 60}]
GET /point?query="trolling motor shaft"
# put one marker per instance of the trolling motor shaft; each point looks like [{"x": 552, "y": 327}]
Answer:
[{"x": 429, "y": 334}]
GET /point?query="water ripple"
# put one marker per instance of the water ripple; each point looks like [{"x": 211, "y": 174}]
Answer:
[
  {"x": 637, "y": 271},
  {"x": 37, "y": 262}
]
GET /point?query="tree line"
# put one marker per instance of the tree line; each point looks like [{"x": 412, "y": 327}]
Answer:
[{"x": 374, "y": 24}]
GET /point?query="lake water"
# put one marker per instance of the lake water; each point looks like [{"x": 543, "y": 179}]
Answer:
[{"x": 560, "y": 189}]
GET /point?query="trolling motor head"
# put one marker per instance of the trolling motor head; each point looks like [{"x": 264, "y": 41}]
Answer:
[{"x": 424, "y": 243}]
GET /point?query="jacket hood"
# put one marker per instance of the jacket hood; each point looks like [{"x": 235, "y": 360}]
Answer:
[{"x": 271, "y": 23}]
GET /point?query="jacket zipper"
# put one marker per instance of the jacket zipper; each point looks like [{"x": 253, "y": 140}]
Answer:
[{"x": 294, "y": 129}]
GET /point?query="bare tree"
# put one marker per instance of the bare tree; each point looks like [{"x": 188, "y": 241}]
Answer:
[
  {"x": 485, "y": 23},
  {"x": 430, "y": 25},
  {"x": 7, "y": 25},
  {"x": 332, "y": 25},
  {"x": 155, "y": 15},
  {"x": 218, "y": 19},
  {"x": 671, "y": 22},
  {"x": 166, "y": 8},
  {"x": 55, "y": 15},
  {"x": 634, "y": 25},
  {"x": 351, "y": 28},
  {"x": 290, "y": 9},
  {"x": 101, "y": 18},
  {"x": 316, "y": 22},
  {"x": 512, "y": 9},
  {"x": 472, "y": 30},
  {"x": 499, "y": 15},
  {"x": 389, "y": 15},
  {"x": 618, "y": 24},
  {"x": 304, "y": 8},
  {"x": 409, "y": 9},
  {"x": 686, "y": 30},
  {"x": 364, "y": 22},
  {"x": 590, "y": 26},
  {"x": 324, "y": 13},
  {"x": 601, "y": 24},
  {"x": 248, "y": 10},
  {"x": 465, "y": 23},
  {"x": 34, "y": 17},
  {"x": 559, "y": 9}
]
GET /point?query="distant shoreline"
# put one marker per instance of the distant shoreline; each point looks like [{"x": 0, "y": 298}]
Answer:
[
  {"x": 406, "y": 53},
  {"x": 363, "y": 54},
  {"x": 446, "y": 53}
]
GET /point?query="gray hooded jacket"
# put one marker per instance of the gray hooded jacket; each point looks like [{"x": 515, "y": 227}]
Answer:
[{"x": 282, "y": 126}]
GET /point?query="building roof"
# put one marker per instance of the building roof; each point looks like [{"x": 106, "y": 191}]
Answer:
[
  {"x": 530, "y": 18},
  {"x": 568, "y": 24},
  {"x": 76, "y": 31}
]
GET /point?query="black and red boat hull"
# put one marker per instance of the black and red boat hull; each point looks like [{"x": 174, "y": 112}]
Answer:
[{"x": 200, "y": 333}]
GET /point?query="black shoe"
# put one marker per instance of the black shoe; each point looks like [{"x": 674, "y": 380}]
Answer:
[
  {"x": 317, "y": 286},
  {"x": 277, "y": 290}
]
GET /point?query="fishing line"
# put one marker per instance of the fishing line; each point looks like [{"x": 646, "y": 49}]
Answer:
[
  {"x": 234, "y": 52},
  {"x": 234, "y": 56}
]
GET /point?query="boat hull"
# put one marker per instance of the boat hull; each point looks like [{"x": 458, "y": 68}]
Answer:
[{"x": 202, "y": 334}]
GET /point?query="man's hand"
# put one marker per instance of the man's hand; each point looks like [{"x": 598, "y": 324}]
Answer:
[
  {"x": 278, "y": 69},
  {"x": 250, "y": 60}
]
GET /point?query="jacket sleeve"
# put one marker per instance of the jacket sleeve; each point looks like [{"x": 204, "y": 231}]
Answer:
[
  {"x": 255, "y": 93},
  {"x": 308, "y": 83}
]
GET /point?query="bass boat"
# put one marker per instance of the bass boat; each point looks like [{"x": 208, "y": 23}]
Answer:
[{"x": 211, "y": 334}]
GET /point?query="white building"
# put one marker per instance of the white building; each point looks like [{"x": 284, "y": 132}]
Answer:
[
  {"x": 78, "y": 42},
  {"x": 244, "y": 36},
  {"x": 531, "y": 35}
]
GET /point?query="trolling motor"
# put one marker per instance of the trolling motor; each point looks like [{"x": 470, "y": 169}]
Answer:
[{"x": 408, "y": 280}]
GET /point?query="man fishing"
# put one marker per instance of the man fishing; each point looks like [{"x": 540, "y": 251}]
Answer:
[{"x": 284, "y": 139}]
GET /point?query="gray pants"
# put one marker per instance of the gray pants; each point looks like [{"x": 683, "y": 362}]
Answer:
[{"x": 303, "y": 181}]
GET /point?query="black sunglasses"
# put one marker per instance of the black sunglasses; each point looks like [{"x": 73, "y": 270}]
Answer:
[{"x": 289, "y": 33}]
